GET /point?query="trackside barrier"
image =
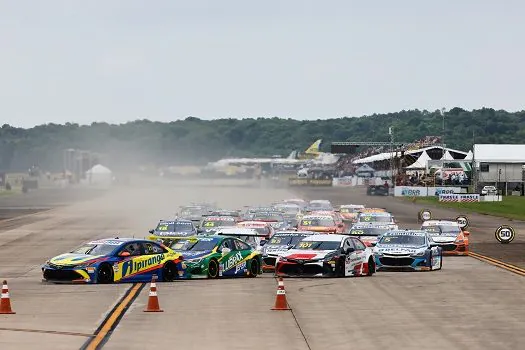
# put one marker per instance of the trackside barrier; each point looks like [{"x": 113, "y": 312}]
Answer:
[
  {"x": 419, "y": 191},
  {"x": 459, "y": 197}
]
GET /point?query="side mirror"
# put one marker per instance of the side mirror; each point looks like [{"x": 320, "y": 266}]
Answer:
[
  {"x": 262, "y": 242},
  {"x": 349, "y": 250},
  {"x": 151, "y": 231},
  {"x": 225, "y": 251},
  {"x": 199, "y": 230},
  {"x": 124, "y": 254},
  {"x": 373, "y": 244}
]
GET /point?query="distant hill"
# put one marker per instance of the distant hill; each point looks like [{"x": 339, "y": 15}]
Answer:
[{"x": 197, "y": 141}]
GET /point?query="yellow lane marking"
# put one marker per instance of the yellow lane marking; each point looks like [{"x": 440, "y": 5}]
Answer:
[
  {"x": 498, "y": 263},
  {"x": 111, "y": 320}
]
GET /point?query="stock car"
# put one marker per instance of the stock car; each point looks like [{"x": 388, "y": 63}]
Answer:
[
  {"x": 194, "y": 212},
  {"x": 407, "y": 250},
  {"x": 327, "y": 256},
  {"x": 115, "y": 260},
  {"x": 349, "y": 211},
  {"x": 321, "y": 224},
  {"x": 236, "y": 214},
  {"x": 291, "y": 212},
  {"x": 448, "y": 235},
  {"x": 218, "y": 256},
  {"x": 264, "y": 228},
  {"x": 300, "y": 202},
  {"x": 383, "y": 218},
  {"x": 368, "y": 233},
  {"x": 280, "y": 243},
  {"x": 172, "y": 228},
  {"x": 319, "y": 204},
  {"x": 249, "y": 236},
  {"x": 210, "y": 224},
  {"x": 274, "y": 218}
]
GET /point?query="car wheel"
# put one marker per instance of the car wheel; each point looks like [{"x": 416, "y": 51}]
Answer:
[
  {"x": 105, "y": 274},
  {"x": 340, "y": 268},
  {"x": 371, "y": 266},
  {"x": 254, "y": 268},
  {"x": 169, "y": 272},
  {"x": 213, "y": 269}
]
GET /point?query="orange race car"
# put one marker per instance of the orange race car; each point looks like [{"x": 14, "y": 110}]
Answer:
[
  {"x": 349, "y": 211},
  {"x": 321, "y": 224},
  {"x": 448, "y": 235}
]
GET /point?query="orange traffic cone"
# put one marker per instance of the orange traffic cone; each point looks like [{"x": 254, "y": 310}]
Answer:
[
  {"x": 280, "y": 299},
  {"x": 153, "y": 300},
  {"x": 5, "y": 301}
]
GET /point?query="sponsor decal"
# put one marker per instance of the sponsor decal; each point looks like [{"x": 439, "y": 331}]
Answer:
[
  {"x": 133, "y": 266},
  {"x": 232, "y": 261},
  {"x": 410, "y": 192},
  {"x": 462, "y": 221},
  {"x": 240, "y": 267}
]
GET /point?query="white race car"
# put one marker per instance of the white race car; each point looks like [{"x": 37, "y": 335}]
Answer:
[{"x": 325, "y": 255}]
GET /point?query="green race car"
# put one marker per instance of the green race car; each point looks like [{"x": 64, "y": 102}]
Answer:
[{"x": 218, "y": 256}]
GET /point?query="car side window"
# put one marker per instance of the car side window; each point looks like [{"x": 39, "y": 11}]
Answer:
[
  {"x": 227, "y": 243},
  {"x": 358, "y": 245},
  {"x": 133, "y": 249},
  {"x": 152, "y": 248},
  {"x": 347, "y": 244},
  {"x": 239, "y": 245}
]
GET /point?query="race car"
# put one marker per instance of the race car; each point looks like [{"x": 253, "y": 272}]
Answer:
[
  {"x": 407, "y": 250},
  {"x": 319, "y": 204},
  {"x": 115, "y": 260},
  {"x": 172, "y": 228},
  {"x": 383, "y": 218},
  {"x": 291, "y": 212},
  {"x": 368, "y": 233},
  {"x": 321, "y": 224},
  {"x": 338, "y": 218},
  {"x": 300, "y": 202},
  {"x": 210, "y": 224},
  {"x": 194, "y": 212},
  {"x": 250, "y": 211},
  {"x": 377, "y": 190},
  {"x": 349, "y": 211},
  {"x": 280, "y": 243},
  {"x": 218, "y": 256},
  {"x": 248, "y": 235},
  {"x": 236, "y": 214},
  {"x": 274, "y": 218},
  {"x": 448, "y": 235},
  {"x": 327, "y": 256},
  {"x": 264, "y": 228}
]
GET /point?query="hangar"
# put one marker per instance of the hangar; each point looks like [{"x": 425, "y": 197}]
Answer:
[{"x": 500, "y": 165}]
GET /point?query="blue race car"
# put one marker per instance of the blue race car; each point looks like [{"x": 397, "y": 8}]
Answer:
[
  {"x": 115, "y": 260},
  {"x": 411, "y": 250}
]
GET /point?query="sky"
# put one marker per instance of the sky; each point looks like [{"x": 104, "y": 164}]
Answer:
[{"x": 122, "y": 60}]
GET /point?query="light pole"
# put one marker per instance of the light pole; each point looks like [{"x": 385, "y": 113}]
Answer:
[{"x": 443, "y": 137}]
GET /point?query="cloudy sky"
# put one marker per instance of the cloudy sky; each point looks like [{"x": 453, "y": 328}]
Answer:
[{"x": 121, "y": 60}]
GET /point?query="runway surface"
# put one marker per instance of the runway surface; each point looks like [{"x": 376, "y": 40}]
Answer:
[{"x": 467, "y": 305}]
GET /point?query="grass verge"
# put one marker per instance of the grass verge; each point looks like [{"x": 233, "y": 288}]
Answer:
[{"x": 511, "y": 207}]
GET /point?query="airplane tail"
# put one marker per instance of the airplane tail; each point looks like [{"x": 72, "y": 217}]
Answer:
[{"x": 314, "y": 147}]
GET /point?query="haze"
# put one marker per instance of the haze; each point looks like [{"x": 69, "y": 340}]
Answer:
[{"x": 115, "y": 61}]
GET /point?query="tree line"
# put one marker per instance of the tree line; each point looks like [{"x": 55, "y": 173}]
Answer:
[{"x": 196, "y": 141}]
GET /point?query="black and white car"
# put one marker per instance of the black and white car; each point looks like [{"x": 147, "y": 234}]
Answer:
[{"x": 280, "y": 243}]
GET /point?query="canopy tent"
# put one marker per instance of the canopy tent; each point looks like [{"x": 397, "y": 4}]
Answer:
[
  {"x": 99, "y": 175},
  {"x": 447, "y": 156},
  {"x": 421, "y": 162},
  {"x": 469, "y": 156}
]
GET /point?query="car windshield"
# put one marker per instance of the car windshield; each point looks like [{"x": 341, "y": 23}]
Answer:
[
  {"x": 317, "y": 245},
  {"x": 285, "y": 240},
  {"x": 94, "y": 249},
  {"x": 445, "y": 230},
  {"x": 375, "y": 218},
  {"x": 368, "y": 231},
  {"x": 288, "y": 209},
  {"x": 268, "y": 216},
  {"x": 327, "y": 222},
  {"x": 217, "y": 223},
  {"x": 193, "y": 244},
  {"x": 177, "y": 226},
  {"x": 403, "y": 239},
  {"x": 190, "y": 211}
]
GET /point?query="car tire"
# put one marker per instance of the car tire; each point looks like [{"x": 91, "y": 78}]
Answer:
[
  {"x": 105, "y": 274},
  {"x": 340, "y": 268},
  {"x": 213, "y": 269},
  {"x": 371, "y": 266},
  {"x": 254, "y": 268},
  {"x": 169, "y": 272}
]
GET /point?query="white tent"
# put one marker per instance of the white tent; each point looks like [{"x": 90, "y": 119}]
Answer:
[
  {"x": 447, "y": 156},
  {"x": 469, "y": 156},
  {"x": 99, "y": 175},
  {"x": 421, "y": 162}
]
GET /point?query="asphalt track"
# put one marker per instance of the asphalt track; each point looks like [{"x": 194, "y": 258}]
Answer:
[{"x": 468, "y": 305}]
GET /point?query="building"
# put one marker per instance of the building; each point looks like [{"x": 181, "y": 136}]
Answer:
[{"x": 500, "y": 165}]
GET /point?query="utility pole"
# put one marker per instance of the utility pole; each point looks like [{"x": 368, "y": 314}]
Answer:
[
  {"x": 443, "y": 139},
  {"x": 391, "y": 133}
]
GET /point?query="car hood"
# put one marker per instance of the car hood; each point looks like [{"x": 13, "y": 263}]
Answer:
[
  {"x": 70, "y": 259},
  {"x": 317, "y": 228},
  {"x": 301, "y": 254},
  {"x": 444, "y": 239},
  {"x": 397, "y": 249},
  {"x": 276, "y": 249},
  {"x": 193, "y": 254}
]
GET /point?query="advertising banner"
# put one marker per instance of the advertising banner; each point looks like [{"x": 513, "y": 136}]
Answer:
[
  {"x": 296, "y": 181},
  {"x": 436, "y": 191},
  {"x": 320, "y": 182},
  {"x": 344, "y": 181},
  {"x": 459, "y": 197},
  {"x": 410, "y": 191},
  {"x": 309, "y": 182}
]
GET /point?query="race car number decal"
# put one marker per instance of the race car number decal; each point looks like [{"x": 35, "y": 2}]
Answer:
[
  {"x": 209, "y": 224},
  {"x": 358, "y": 232},
  {"x": 163, "y": 228},
  {"x": 305, "y": 245},
  {"x": 307, "y": 222},
  {"x": 275, "y": 240},
  {"x": 367, "y": 218}
]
